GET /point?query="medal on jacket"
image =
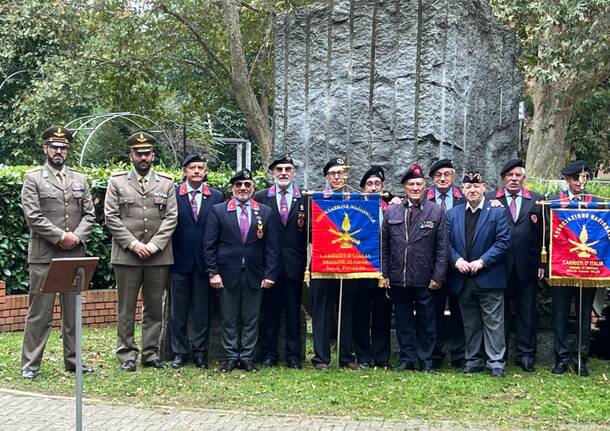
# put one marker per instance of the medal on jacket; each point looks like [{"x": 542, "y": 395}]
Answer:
[
  {"x": 78, "y": 190},
  {"x": 159, "y": 199},
  {"x": 259, "y": 226},
  {"x": 301, "y": 216}
]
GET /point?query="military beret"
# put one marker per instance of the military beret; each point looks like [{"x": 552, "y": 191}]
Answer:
[
  {"x": 283, "y": 159},
  {"x": 336, "y": 161},
  {"x": 141, "y": 142},
  {"x": 473, "y": 177},
  {"x": 193, "y": 157},
  {"x": 575, "y": 168},
  {"x": 58, "y": 135},
  {"x": 374, "y": 171},
  {"x": 243, "y": 175},
  {"x": 442, "y": 163},
  {"x": 511, "y": 164},
  {"x": 413, "y": 172}
]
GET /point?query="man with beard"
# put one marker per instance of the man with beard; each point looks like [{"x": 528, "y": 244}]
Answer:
[
  {"x": 450, "y": 332},
  {"x": 190, "y": 285},
  {"x": 576, "y": 174},
  {"x": 414, "y": 250},
  {"x": 372, "y": 308},
  {"x": 289, "y": 210},
  {"x": 141, "y": 215},
  {"x": 523, "y": 259},
  {"x": 240, "y": 251},
  {"x": 325, "y": 293},
  {"x": 479, "y": 238},
  {"x": 59, "y": 211}
]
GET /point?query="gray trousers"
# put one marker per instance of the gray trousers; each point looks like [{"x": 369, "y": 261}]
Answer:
[
  {"x": 40, "y": 320},
  {"x": 483, "y": 316},
  {"x": 240, "y": 303},
  {"x": 129, "y": 280}
]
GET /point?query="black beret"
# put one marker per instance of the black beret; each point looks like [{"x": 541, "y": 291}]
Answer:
[
  {"x": 141, "y": 142},
  {"x": 442, "y": 163},
  {"x": 193, "y": 157},
  {"x": 58, "y": 135},
  {"x": 243, "y": 175},
  {"x": 336, "y": 161},
  {"x": 413, "y": 172},
  {"x": 511, "y": 164},
  {"x": 283, "y": 159},
  {"x": 575, "y": 168},
  {"x": 374, "y": 171},
  {"x": 473, "y": 177}
]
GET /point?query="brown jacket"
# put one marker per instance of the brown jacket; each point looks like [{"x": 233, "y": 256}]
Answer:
[
  {"x": 51, "y": 210},
  {"x": 146, "y": 216}
]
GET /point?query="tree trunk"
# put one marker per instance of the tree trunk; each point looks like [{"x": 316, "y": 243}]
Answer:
[
  {"x": 548, "y": 151},
  {"x": 240, "y": 82}
]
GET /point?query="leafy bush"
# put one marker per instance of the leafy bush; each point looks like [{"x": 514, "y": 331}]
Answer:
[{"x": 14, "y": 232}]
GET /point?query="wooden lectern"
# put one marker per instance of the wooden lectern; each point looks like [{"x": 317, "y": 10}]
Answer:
[{"x": 73, "y": 275}]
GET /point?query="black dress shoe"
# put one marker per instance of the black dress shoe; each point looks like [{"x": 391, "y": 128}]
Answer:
[
  {"x": 228, "y": 365},
  {"x": 458, "y": 363},
  {"x": 84, "y": 368},
  {"x": 293, "y": 363},
  {"x": 561, "y": 366},
  {"x": 470, "y": 369},
  {"x": 383, "y": 365},
  {"x": 200, "y": 362},
  {"x": 268, "y": 362},
  {"x": 404, "y": 366},
  {"x": 247, "y": 365},
  {"x": 179, "y": 361},
  {"x": 155, "y": 363},
  {"x": 128, "y": 365},
  {"x": 526, "y": 365},
  {"x": 497, "y": 372}
]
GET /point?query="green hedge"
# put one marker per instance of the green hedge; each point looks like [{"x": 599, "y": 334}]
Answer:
[{"x": 14, "y": 232}]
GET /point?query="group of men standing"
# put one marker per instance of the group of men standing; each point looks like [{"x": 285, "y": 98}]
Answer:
[{"x": 444, "y": 249}]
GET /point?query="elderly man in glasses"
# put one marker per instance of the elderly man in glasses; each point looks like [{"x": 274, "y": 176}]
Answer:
[{"x": 240, "y": 251}]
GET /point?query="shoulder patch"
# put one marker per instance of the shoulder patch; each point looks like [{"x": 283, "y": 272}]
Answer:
[
  {"x": 36, "y": 169},
  {"x": 164, "y": 175},
  {"x": 118, "y": 174}
]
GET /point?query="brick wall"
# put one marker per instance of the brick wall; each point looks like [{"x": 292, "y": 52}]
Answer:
[{"x": 99, "y": 309}]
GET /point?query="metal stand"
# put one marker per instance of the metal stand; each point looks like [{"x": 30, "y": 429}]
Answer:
[
  {"x": 80, "y": 279},
  {"x": 579, "y": 327},
  {"x": 339, "y": 322}
]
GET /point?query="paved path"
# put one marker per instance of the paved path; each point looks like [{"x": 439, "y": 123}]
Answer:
[{"x": 24, "y": 411}]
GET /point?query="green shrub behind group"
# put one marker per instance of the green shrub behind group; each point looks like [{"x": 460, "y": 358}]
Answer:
[{"x": 14, "y": 232}]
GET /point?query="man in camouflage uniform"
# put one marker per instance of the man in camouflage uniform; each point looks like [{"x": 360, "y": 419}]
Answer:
[{"x": 141, "y": 214}]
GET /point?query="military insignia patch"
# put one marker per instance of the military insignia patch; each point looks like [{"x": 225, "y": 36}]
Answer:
[
  {"x": 534, "y": 218},
  {"x": 301, "y": 219},
  {"x": 77, "y": 187}
]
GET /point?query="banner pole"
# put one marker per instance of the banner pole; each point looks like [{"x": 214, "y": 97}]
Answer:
[
  {"x": 339, "y": 322},
  {"x": 80, "y": 280},
  {"x": 579, "y": 326}
]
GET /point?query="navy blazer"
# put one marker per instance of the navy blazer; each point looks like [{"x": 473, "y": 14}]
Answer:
[
  {"x": 526, "y": 234},
  {"x": 292, "y": 236},
  {"x": 187, "y": 240},
  {"x": 224, "y": 251},
  {"x": 491, "y": 243}
]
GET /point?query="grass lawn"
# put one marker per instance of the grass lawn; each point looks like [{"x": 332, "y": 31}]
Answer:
[{"x": 536, "y": 400}]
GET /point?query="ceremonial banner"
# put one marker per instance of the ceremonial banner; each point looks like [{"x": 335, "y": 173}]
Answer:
[
  {"x": 345, "y": 235},
  {"x": 579, "y": 247}
]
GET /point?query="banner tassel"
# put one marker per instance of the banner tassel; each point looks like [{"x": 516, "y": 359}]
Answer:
[{"x": 543, "y": 257}]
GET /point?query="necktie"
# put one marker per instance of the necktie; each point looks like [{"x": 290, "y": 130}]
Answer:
[
  {"x": 194, "y": 204},
  {"x": 60, "y": 178},
  {"x": 443, "y": 204},
  {"x": 575, "y": 199},
  {"x": 513, "y": 207},
  {"x": 244, "y": 224},
  {"x": 143, "y": 183},
  {"x": 283, "y": 207}
]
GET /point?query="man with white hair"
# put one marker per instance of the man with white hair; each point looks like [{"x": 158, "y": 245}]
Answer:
[{"x": 523, "y": 259}]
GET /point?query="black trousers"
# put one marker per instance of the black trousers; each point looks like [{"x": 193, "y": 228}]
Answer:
[
  {"x": 190, "y": 296},
  {"x": 562, "y": 301},
  {"x": 415, "y": 323},
  {"x": 520, "y": 316},
  {"x": 372, "y": 323},
  {"x": 286, "y": 294},
  {"x": 325, "y": 301},
  {"x": 449, "y": 332}
]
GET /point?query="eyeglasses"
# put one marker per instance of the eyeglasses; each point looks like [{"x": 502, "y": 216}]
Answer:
[
  {"x": 443, "y": 175},
  {"x": 55, "y": 148},
  {"x": 246, "y": 184},
  {"x": 287, "y": 169},
  {"x": 373, "y": 183},
  {"x": 335, "y": 173}
]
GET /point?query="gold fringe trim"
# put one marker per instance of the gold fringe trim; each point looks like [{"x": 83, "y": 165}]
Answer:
[
  {"x": 543, "y": 255},
  {"x": 578, "y": 282},
  {"x": 307, "y": 276},
  {"x": 347, "y": 276},
  {"x": 381, "y": 282}
]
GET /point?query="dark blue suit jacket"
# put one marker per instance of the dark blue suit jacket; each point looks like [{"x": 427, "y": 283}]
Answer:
[
  {"x": 292, "y": 236},
  {"x": 187, "y": 240},
  {"x": 224, "y": 251},
  {"x": 491, "y": 243}
]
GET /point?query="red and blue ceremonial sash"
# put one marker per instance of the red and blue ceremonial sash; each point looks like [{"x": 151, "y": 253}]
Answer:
[
  {"x": 345, "y": 235},
  {"x": 579, "y": 244}
]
